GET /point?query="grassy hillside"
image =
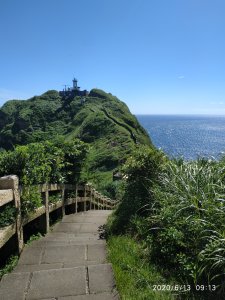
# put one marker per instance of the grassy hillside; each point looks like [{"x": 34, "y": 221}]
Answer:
[{"x": 99, "y": 119}]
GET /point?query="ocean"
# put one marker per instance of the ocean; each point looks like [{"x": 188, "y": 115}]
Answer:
[{"x": 187, "y": 136}]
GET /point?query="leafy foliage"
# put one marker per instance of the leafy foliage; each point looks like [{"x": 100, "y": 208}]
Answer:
[
  {"x": 102, "y": 120},
  {"x": 142, "y": 172},
  {"x": 182, "y": 217},
  {"x": 34, "y": 237},
  {"x": 7, "y": 215},
  {"x": 12, "y": 262},
  {"x": 38, "y": 163},
  {"x": 190, "y": 219}
]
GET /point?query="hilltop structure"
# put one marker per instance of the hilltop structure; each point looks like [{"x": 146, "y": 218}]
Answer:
[{"x": 73, "y": 91}]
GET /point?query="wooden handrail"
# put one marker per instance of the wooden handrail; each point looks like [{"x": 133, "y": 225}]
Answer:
[{"x": 11, "y": 191}]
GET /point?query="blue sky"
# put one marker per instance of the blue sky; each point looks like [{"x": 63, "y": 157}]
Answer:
[{"x": 159, "y": 56}]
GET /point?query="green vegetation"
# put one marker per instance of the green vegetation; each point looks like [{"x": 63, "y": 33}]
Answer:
[
  {"x": 13, "y": 259},
  {"x": 176, "y": 209},
  {"x": 49, "y": 161},
  {"x": 10, "y": 265},
  {"x": 141, "y": 170},
  {"x": 7, "y": 215},
  {"x": 37, "y": 163},
  {"x": 102, "y": 121},
  {"x": 135, "y": 277},
  {"x": 39, "y": 143},
  {"x": 34, "y": 237},
  {"x": 55, "y": 198}
]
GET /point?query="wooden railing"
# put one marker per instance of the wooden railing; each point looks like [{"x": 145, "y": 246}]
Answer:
[{"x": 74, "y": 195}]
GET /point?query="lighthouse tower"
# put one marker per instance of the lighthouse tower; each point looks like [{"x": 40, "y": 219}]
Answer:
[
  {"x": 73, "y": 91},
  {"x": 75, "y": 87}
]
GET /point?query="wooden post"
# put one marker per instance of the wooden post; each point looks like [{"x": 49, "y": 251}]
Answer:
[
  {"x": 91, "y": 199},
  {"x": 76, "y": 192},
  {"x": 85, "y": 198},
  {"x": 12, "y": 183},
  {"x": 63, "y": 200},
  {"x": 98, "y": 201},
  {"x": 19, "y": 222},
  {"x": 46, "y": 229},
  {"x": 94, "y": 200},
  {"x": 89, "y": 196}
]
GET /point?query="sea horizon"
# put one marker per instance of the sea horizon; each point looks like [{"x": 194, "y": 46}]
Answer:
[{"x": 198, "y": 115}]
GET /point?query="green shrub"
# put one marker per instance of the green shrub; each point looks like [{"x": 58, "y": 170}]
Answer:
[
  {"x": 189, "y": 209},
  {"x": 39, "y": 163},
  {"x": 141, "y": 172},
  {"x": 7, "y": 215},
  {"x": 30, "y": 199},
  {"x": 177, "y": 209},
  {"x": 34, "y": 237},
  {"x": 10, "y": 265}
]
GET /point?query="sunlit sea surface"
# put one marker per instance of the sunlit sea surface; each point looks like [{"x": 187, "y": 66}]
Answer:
[{"x": 189, "y": 136}]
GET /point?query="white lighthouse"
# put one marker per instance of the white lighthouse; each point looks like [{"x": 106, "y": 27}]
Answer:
[
  {"x": 73, "y": 91},
  {"x": 75, "y": 87}
]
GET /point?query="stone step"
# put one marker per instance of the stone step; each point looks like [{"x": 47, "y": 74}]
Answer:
[
  {"x": 62, "y": 236},
  {"x": 63, "y": 282},
  {"x": 32, "y": 267},
  {"x": 56, "y": 243},
  {"x": 70, "y": 227},
  {"x": 84, "y": 219},
  {"x": 67, "y": 263},
  {"x": 71, "y": 255},
  {"x": 41, "y": 267},
  {"x": 99, "y": 296}
]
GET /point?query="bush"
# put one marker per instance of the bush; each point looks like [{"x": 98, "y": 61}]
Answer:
[
  {"x": 141, "y": 172},
  {"x": 7, "y": 215},
  {"x": 186, "y": 230},
  {"x": 177, "y": 209},
  {"x": 38, "y": 163}
]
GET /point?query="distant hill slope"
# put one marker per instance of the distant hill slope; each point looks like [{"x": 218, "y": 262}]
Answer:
[{"x": 99, "y": 119}]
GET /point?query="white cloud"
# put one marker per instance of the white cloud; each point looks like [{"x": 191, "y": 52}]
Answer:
[{"x": 181, "y": 77}]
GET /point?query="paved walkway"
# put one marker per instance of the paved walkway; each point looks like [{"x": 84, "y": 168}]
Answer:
[{"x": 69, "y": 263}]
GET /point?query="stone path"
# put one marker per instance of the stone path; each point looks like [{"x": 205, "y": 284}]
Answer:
[{"x": 69, "y": 263}]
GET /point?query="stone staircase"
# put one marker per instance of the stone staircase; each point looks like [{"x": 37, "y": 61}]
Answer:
[{"x": 69, "y": 263}]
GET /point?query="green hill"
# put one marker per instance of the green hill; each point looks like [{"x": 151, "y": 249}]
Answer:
[{"x": 100, "y": 119}]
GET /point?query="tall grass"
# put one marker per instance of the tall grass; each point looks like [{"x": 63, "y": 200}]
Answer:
[
  {"x": 186, "y": 229},
  {"x": 183, "y": 226}
]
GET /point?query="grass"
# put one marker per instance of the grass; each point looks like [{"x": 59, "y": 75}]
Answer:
[
  {"x": 34, "y": 237},
  {"x": 13, "y": 259},
  {"x": 181, "y": 225},
  {"x": 135, "y": 278},
  {"x": 10, "y": 265}
]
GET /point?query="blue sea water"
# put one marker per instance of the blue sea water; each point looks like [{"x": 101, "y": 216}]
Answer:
[{"x": 189, "y": 136}]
